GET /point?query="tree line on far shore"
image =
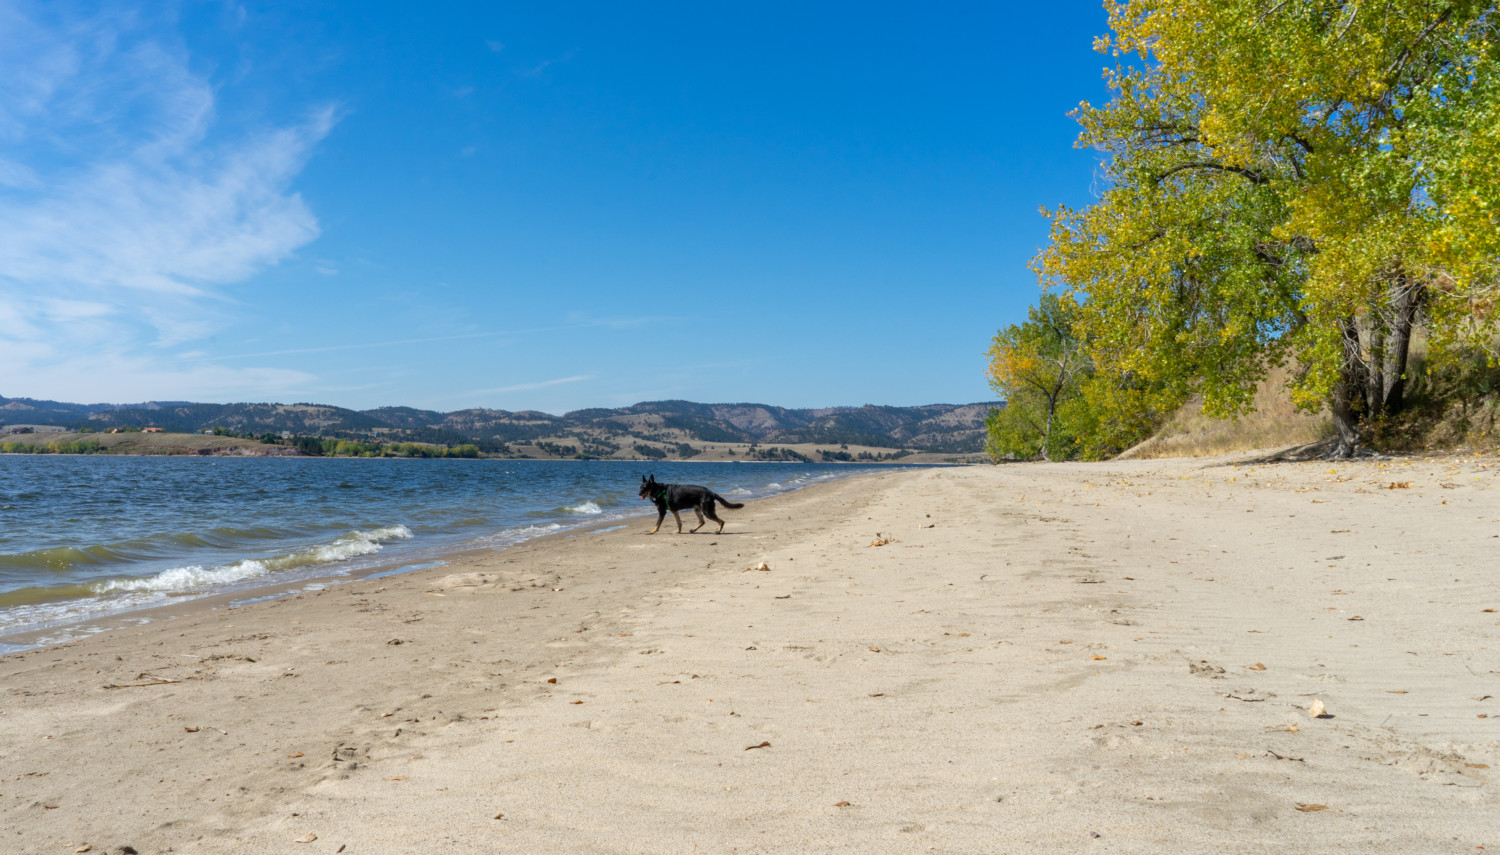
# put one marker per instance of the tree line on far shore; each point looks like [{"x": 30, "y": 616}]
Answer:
[{"x": 1312, "y": 186}]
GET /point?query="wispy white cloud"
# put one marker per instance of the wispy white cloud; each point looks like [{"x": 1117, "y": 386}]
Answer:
[
  {"x": 363, "y": 345},
  {"x": 494, "y": 46},
  {"x": 125, "y": 209},
  {"x": 525, "y": 387},
  {"x": 371, "y": 345},
  {"x": 548, "y": 63}
]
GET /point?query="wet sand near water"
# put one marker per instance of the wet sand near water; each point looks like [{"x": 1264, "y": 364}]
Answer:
[{"x": 1053, "y": 657}]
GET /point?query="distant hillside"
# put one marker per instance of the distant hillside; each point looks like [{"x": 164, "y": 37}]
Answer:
[{"x": 936, "y": 428}]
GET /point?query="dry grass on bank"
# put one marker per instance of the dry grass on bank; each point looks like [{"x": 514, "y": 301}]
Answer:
[{"x": 1275, "y": 423}]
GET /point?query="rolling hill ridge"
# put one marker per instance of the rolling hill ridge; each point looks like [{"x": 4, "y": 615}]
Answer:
[{"x": 937, "y": 428}]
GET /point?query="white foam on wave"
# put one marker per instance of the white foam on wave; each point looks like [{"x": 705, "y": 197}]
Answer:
[
  {"x": 585, "y": 508},
  {"x": 195, "y": 577}
]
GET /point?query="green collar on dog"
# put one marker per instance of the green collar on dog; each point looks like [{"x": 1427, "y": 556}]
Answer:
[{"x": 659, "y": 496}]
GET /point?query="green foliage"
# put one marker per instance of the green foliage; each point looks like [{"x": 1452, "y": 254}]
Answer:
[
  {"x": 775, "y": 453},
  {"x": 1058, "y": 405},
  {"x": 1014, "y": 432},
  {"x": 78, "y": 446},
  {"x": 1288, "y": 182},
  {"x": 1037, "y": 367},
  {"x": 650, "y": 452}
]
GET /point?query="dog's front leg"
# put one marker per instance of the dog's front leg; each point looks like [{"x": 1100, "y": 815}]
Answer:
[
  {"x": 678, "y": 517},
  {"x": 661, "y": 514}
]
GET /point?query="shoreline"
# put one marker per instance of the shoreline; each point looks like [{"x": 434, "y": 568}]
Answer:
[
  {"x": 315, "y": 577},
  {"x": 1042, "y": 657}
]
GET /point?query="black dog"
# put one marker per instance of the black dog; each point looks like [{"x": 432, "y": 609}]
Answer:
[{"x": 678, "y": 497}]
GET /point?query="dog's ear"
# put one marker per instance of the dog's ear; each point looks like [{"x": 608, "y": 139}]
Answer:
[{"x": 643, "y": 479}]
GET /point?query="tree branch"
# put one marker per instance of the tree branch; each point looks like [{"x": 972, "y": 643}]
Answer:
[
  {"x": 1390, "y": 74},
  {"x": 1254, "y": 176}
]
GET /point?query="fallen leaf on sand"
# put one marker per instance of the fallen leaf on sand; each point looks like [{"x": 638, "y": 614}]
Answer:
[
  {"x": 1395, "y": 691},
  {"x": 874, "y": 649},
  {"x": 1316, "y": 709},
  {"x": 575, "y": 702},
  {"x": 1477, "y": 765},
  {"x": 882, "y": 541},
  {"x": 1256, "y": 667},
  {"x": 1489, "y": 611},
  {"x": 762, "y": 745},
  {"x": 1097, "y": 656},
  {"x": 84, "y": 848},
  {"x": 395, "y": 778},
  {"x": 190, "y": 729},
  {"x": 1307, "y": 808},
  {"x": 1356, "y": 617},
  {"x": 552, "y": 679},
  {"x": 762, "y": 566},
  {"x": 294, "y": 756},
  {"x": 306, "y": 838},
  {"x": 499, "y": 816},
  {"x": 386, "y": 715},
  {"x": 840, "y": 804}
]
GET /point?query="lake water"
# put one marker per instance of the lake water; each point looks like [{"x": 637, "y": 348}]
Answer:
[{"x": 84, "y": 537}]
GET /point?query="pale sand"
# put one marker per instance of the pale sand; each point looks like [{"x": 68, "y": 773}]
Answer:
[{"x": 1068, "y": 653}]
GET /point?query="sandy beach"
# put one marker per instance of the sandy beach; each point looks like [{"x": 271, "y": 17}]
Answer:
[{"x": 1114, "y": 657}]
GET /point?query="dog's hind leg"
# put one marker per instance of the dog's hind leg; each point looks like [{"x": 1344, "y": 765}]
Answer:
[
  {"x": 698, "y": 509},
  {"x": 715, "y": 517}
]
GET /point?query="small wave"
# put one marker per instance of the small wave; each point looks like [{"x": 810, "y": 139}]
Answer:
[
  {"x": 64, "y": 558},
  {"x": 195, "y": 577},
  {"x": 512, "y": 536},
  {"x": 585, "y": 508},
  {"x": 61, "y": 558}
]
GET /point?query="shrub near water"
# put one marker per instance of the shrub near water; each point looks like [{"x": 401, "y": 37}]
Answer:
[{"x": 80, "y": 446}]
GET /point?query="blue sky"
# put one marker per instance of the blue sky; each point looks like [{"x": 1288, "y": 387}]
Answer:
[{"x": 528, "y": 206}]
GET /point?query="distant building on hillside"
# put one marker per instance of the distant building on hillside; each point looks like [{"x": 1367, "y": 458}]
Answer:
[{"x": 153, "y": 430}]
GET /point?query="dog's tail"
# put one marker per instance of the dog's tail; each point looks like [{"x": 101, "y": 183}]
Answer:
[{"x": 733, "y": 506}]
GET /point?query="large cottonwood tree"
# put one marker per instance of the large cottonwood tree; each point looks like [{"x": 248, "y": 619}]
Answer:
[{"x": 1288, "y": 180}]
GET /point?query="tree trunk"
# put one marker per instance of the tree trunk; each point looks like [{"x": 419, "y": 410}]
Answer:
[
  {"x": 1408, "y": 299},
  {"x": 1344, "y": 392},
  {"x": 1047, "y": 431},
  {"x": 1375, "y": 367}
]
